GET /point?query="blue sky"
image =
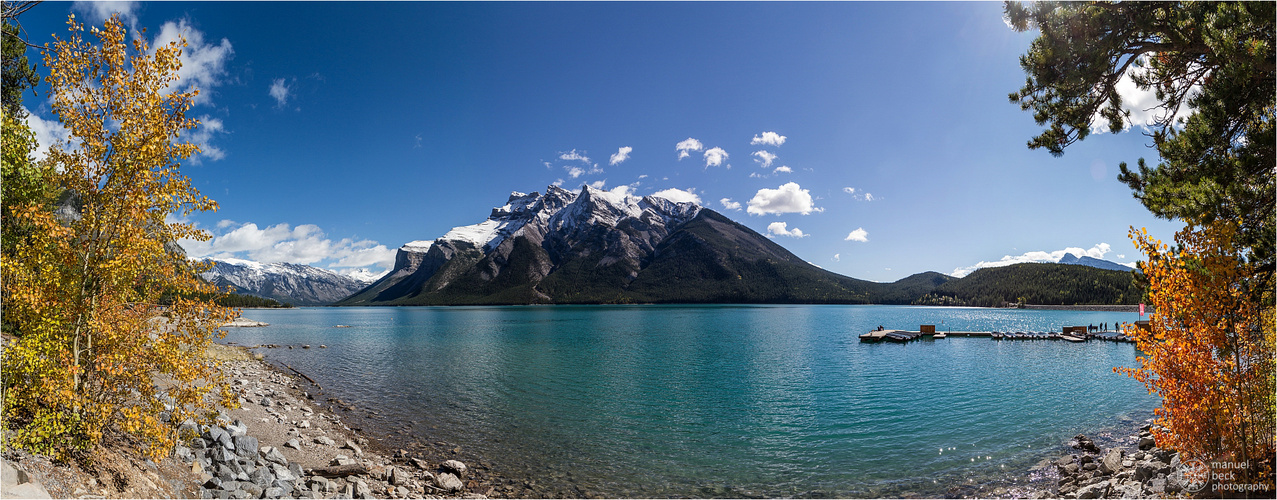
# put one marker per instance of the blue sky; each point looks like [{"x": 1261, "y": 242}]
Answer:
[{"x": 336, "y": 132}]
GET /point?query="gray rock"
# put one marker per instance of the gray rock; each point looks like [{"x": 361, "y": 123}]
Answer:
[
  {"x": 326, "y": 441},
  {"x": 1145, "y": 470},
  {"x": 282, "y": 473},
  {"x": 455, "y": 466},
  {"x": 296, "y": 469},
  {"x": 253, "y": 490},
  {"x": 1129, "y": 489},
  {"x": 362, "y": 490},
  {"x": 322, "y": 484},
  {"x": 1090, "y": 466},
  {"x": 449, "y": 482},
  {"x": 265, "y": 401},
  {"x": 1085, "y": 444},
  {"x": 1097, "y": 490},
  {"x": 229, "y": 485},
  {"x": 213, "y": 483},
  {"x": 214, "y": 434},
  {"x": 15, "y": 483},
  {"x": 1112, "y": 462},
  {"x": 239, "y": 428},
  {"x": 398, "y": 477},
  {"x": 1157, "y": 486},
  {"x": 359, "y": 452},
  {"x": 198, "y": 443},
  {"x": 292, "y": 443},
  {"x": 287, "y": 486},
  {"x": 184, "y": 454},
  {"x": 1070, "y": 469},
  {"x": 262, "y": 477},
  {"x": 245, "y": 446},
  {"x": 272, "y": 454},
  {"x": 1147, "y": 443},
  {"x": 272, "y": 492}
]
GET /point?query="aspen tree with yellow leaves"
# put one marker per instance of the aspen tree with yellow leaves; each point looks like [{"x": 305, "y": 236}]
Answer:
[
  {"x": 1209, "y": 349},
  {"x": 95, "y": 352}
]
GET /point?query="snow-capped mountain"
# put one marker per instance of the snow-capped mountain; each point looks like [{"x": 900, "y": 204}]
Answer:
[
  {"x": 295, "y": 284},
  {"x": 597, "y": 246},
  {"x": 1084, "y": 260}
]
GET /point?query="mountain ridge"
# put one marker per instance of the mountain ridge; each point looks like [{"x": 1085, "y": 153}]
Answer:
[{"x": 297, "y": 284}]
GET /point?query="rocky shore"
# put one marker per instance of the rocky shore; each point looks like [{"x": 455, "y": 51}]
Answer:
[
  {"x": 278, "y": 444},
  {"x": 1144, "y": 471}
]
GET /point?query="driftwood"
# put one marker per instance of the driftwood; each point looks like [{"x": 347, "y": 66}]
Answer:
[
  {"x": 340, "y": 471},
  {"x": 303, "y": 375}
]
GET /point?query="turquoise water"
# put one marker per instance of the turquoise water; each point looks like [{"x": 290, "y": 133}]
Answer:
[{"x": 657, "y": 401}]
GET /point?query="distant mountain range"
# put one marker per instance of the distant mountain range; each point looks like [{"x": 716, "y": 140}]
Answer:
[
  {"x": 609, "y": 247},
  {"x": 295, "y": 284},
  {"x": 1071, "y": 259},
  {"x": 595, "y": 246}
]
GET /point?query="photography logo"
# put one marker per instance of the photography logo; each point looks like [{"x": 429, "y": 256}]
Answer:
[{"x": 1192, "y": 475}]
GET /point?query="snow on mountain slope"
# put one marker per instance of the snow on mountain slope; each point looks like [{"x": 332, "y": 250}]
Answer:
[{"x": 292, "y": 283}]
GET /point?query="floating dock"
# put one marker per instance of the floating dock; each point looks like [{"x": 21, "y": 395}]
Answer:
[{"x": 1071, "y": 334}]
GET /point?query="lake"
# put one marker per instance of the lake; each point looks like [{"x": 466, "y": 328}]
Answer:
[{"x": 719, "y": 400}]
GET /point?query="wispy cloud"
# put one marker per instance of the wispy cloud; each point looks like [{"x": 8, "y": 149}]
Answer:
[
  {"x": 729, "y": 204},
  {"x": 202, "y": 136},
  {"x": 858, "y": 195},
  {"x": 780, "y": 229},
  {"x": 837, "y": 257},
  {"x": 574, "y": 172},
  {"x": 858, "y": 235},
  {"x": 621, "y": 155},
  {"x": 783, "y": 170},
  {"x": 685, "y": 147},
  {"x": 764, "y": 158},
  {"x": 768, "y": 138},
  {"x": 574, "y": 156},
  {"x": 715, "y": 157},
  {"x": 280, "y": 91},
  {"x": 1097, "y": 251},
  {"x": 789, "y": 198}
]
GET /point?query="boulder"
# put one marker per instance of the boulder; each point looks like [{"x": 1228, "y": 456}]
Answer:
[
  {"x": 325, "y": 440},
  {"x": 282, "y": 473},
  {"x": 455, "y": 466},
  {"x": 262, "y": 477},
  {"x": 245, "y": 446},
  {"x": 273, "y": 492},
  {"x": 359, "y": 452},
  {"x": 449, "y": 482},
  {"x": 1147, "y": 443},
  {"x": 362, "y": 490},
  {"x": 1112, "y": 462},
  {"x": 292, "y": 443},
  {"x": 1097, "y": 490},
  {"x": 239, "y": 428},
  {"x": 272, "y": 454},
  {"x": 1085, "y": 444}
]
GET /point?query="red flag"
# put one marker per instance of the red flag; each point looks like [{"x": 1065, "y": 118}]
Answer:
[{"x": 1141, "y": 309}]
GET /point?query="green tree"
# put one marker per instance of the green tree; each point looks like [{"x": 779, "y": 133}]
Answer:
[
  {"x": 1214, "y": 60},
  {"x": 18, "y": 74}
]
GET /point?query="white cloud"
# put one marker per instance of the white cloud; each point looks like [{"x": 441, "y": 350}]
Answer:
[
  {"x": 202, "y": 136},
  {"x": 574, "y": 156},
  {"x": 858, "y": 235},
  {"x": 280, "y": 91},
  {"x": 1098, "y": 251},
  {"x": 557, "y": 183},
  {"x": 764, "y": 158},
  {"x": 768, "y": 138},
  {"x": 783, "y": 170},
  {"x": 304, "y": 244},
  {"x": 789, "y": 198},
  {"x": 837, "y": 257},
  {"x": 858, "y": 195},
  {"x": 1143, "y": 108},
  {"x": 203, "y": 65},
  {"x": 690, "y": 144},
  {"x": 621, "y": 155},
  {"x": 574, "y": 172},
  {"x": 679, "y": 195},
  {"x": 779, "y": 229},
  {"x": 714, "y": 157},
  {"x": 47, "y": 134},
  {"x": 729, "y": 204},
  {"x": 598, "y": 184},
  {"x": 98, "y": 11}
]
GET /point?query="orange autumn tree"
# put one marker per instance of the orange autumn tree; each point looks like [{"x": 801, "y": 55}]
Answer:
[
  {"x": 95, "y": 351},
  {"x": 1208, "y": 351}
]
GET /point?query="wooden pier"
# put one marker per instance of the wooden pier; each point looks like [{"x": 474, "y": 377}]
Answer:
[{"x": 927, "y": 332}]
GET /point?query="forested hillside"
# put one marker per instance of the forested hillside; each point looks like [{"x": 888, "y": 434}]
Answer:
[{"x": 1050, "y": 284}]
